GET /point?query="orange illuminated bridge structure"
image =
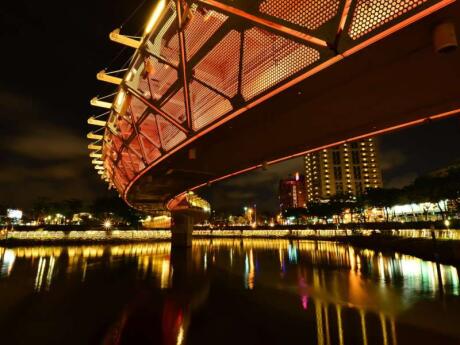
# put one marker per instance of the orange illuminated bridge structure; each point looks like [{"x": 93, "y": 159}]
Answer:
[{"x": 218, "y": 88}]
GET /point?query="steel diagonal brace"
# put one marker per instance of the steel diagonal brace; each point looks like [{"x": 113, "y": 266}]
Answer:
[
  {"x": 183, "y": 60},
  {"x": 157, "y": 110}
]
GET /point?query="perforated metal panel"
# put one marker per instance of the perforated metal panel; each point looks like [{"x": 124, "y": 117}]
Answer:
[
  {"x": 126, "y": 165},
  {"x": 119, "y": 179},
  {"x": 136, "y": 108},
  {"x": 116, "y": 142},
  {"x": 369, "y": 15},
  {"x": 149, "y": 129},
  {"x": 308, "y": 14},
  {"x": 162, "y": 79},
  {"x": 170, "y": 135},
  {"x": 151, "y": 151},
  {"x": 220, "y": 67},
  {"x": 137, "y": 153},
  {"x": 268, "y": 59},
  {"x": 124, "y": 127},
  {"x": 203, "y": 24},
  {"x": 175, "y": 106},
  {"x": 207, "y": 106}
]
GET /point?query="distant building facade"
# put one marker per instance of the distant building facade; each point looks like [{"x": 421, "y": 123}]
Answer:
[
  {"x": 345, "y": 169},
  {"x": 292, "y": 192}
]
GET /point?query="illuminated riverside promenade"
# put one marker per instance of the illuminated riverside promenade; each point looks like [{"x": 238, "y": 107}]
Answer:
[
  {"x": 330, "y": 293},
  {"x": 147, "y": 235}
]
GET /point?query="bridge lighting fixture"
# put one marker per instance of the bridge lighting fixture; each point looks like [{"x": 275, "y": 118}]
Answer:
[
  {"x": 95, "y": 122},
  {"x": 96, "y": 161},
  {"x": 115, "y": 36},
  {"x": 444, "y": 38},
  {"x": 94, "y": 136},
  {"x": 156, "y": 14},
  {"x": 103, "y": 76},
  {"x": 94, "y": 147},
  {"x": 95, "y": 102},
  {"x": 95, "y": 155}
]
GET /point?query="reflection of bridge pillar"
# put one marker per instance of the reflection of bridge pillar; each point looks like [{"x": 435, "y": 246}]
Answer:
[
  {"x": 181, "y": 262},
  {"x": 362, "y": 315}
]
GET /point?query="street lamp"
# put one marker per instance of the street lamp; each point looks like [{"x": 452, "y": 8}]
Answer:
[{"x": 107, "y": 224}]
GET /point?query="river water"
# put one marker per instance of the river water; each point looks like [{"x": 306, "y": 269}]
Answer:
[{"x": 225, "y": 291}]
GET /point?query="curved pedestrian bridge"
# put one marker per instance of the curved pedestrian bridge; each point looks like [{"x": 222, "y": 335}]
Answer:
[{"x": 217, "y": 88}]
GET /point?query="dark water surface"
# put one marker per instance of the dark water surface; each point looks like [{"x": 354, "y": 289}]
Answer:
[{"x": 225, "y": 292}]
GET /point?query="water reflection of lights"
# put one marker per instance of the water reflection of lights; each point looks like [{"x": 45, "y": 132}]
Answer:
[
  {"x": 8, "y": 258},
  {"x": 303, "y": 292},
  {"x": 414, "y": 273},
  {"x": 180, "y": 335},
  {"x": 326, "y": 314},
  {"x": 362, "y": 317},
  {"x": 335, "y": 283},
  {"x": 249, "y": 273},
  {"x": 292, "y": 253},
  {"x": 45, "y": 266},
  {"x": 153, "y": 258},
  {"x": 281, "y": 259}
]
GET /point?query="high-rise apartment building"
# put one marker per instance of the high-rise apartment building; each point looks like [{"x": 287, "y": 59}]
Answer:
[
  {"x": 292, "y": 192},
  {"x": 345, "y": 169}
]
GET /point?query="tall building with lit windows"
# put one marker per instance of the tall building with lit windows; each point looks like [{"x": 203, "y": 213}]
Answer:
[
  {"x": 345, "y": 169},
  {"x": 292, "y": 192}
]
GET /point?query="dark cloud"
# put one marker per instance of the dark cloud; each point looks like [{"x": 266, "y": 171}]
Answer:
[
  {"x": 54, "y": 52},
  {"x": 48, "y": 143},
  {"x": 391, "y": 159},
  {"x": 41, "y": 157},
  {"x": 401, "y": 180}
]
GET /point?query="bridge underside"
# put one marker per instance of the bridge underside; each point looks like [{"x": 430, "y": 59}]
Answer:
[
  {"x": 394, "y": 81},
  {"x": 223, "y": 87}
]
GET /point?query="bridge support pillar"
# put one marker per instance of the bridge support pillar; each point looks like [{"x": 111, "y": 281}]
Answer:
[{"x": 181, "y": 228}]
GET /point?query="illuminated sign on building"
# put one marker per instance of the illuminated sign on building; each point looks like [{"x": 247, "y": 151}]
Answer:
[{"x": 14, "y": 214}]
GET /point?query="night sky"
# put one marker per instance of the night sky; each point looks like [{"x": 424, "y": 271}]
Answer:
[{"x": 51, "y": 52}]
